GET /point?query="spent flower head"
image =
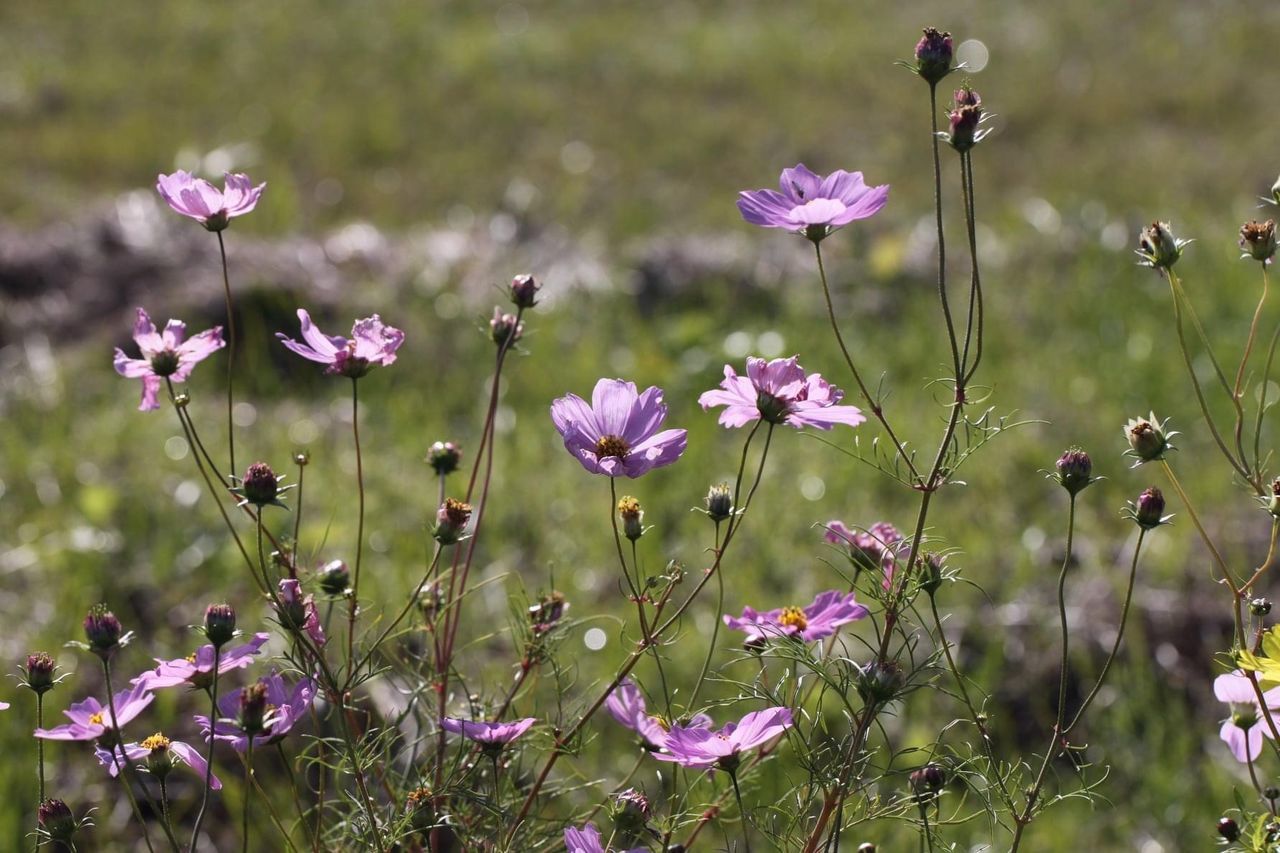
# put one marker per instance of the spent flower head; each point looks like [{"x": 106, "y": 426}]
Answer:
[
  {"x": 165, "y": 355},
  {"x": 812, "y": 205},
  {"x": 451, "y": 521},
  {"x": 205, "y": 203},
  {"x": 372, "y": 344},
  {"x": 719, "y": 501},
  {"x": 1258, "y": 240},
  {"x": 964, "y": 121},
  {"x": 1158, "y": 248},
  {"x": 632, "y": 516},
  {"x": 1149, "y": 439},
  {"x": 620, "y": 433}
]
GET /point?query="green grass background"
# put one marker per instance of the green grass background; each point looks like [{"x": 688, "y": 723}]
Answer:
[{"x": 400, "y": 113}]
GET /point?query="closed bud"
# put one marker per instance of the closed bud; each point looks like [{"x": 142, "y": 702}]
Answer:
[
  {"x": 1260, "y": 606},
  {"x": 964, "y": 121},
  {"x": 866, "y": 847},
  {"x": 253, "y": 709},
  {"x": 934, "y": 52},
  {"x": 524, "y": 291},
  {"x": 965, "y": 96},
  {"x": 1258, "y": 240},
  {"x": 219, "y": 624},
  {"x": 930, "y": 572},
  {"x": 443, "y": 457},
  {"x": 56, "y": 820},
  {"x": 1228, "y": 829},
  {"x": 879, "y": 682},
  {"x": 260, "y": 485},
  {"x": 302, "y": 458},
  {"x": 504, "y": 328},
  {"x": 335, "y": 578},
  {"x": 103, "y": 630},
  {"x": 719, "y": 502},
  {"x": 39, "y": 672},
  {"x": 1271, "y": 792},
  {"x": 632, "y": 517},
  {"x": 1075, "y": 470},
  {"x": 927, "y": 782},
  {"x": 1148, "y": 512},
  {"x": 1273, "y": 502},
  {"x": 631, "y": 813},
  {"x": 1158, "y": 248},
  {"x": 1147, "y": 439},
  {"x": 451, "y": 521}
]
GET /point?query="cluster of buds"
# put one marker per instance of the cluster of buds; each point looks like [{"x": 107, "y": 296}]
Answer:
[
  {"x": 505, "y": 329},
  {"x": 260, "y": 486},
  {"x": 632, "y": 517},
  {"x": 719, "y": 501},
  {"x": 335, "y": 578},
  {"x": 1258, "y": 240},
  {"x": 934, "y": 53},
  {"x": 1158, "y": 248},
  {"x": 1148, "y": 439},
  {"x": 443, "y": 457},
  {"x": 1074, "y": 471},
  {"x": 219, "y": 624},
  {"x": 965, "y": 117},
  {"x": 451, "y": 521},
  {"x": 1148, "y": 510}
]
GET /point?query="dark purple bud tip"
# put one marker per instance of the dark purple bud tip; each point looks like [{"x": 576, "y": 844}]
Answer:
[
  {"x": 102, "y": 629},
  {"x": 1075, "y": 470},
  {"x": 1149, "y": 510},
  {"x": 56, "y": 819},
  {"x": 631, "y": 812},
  {"x": 253, "y": 708},
  {"x": 219, "y": 624},
  {"x": 964, "y": 122},
  {"x": 443, "y": 457},
  {"x": 934, "y": 53},
  {"x": 965, "y": 96},
  {"x": 335, "y": 578},
  {"x": 547, "y": 612},
  {"x": 39, "y": 672},
  {"x": 524, "y": 291},
  {"x": 260, "y": 485},
  {"x": 1228, "y": 829}
]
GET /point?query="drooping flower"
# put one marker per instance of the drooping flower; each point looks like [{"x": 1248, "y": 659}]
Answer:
[
  {"x": 1244, "y": 730},
  {"x": 779, "y": 392},
  {"x": 489, "y": 735},
  {"x": 159, "y": 753},
  {"x": 299, "y": 612},
  {"x": 620, "y": 432},
  {"x": 205, "y": 203},
  {"x": 284, "y": 708},
  {"x": 811, "y": 204},
  {"x": 626, "y": 705},
  {"x": 706, "y": 748},
  {"x": 90, "y": 719},
  {"x": 196, "y": 670},
  {"x": 372, "y": 343},
  {"x": 819, "y": 620},
  {"x": 168, "y": 354},
  {"x": 878, "y": 545}
]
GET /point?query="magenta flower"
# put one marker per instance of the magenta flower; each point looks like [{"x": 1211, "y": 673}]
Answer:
[
  {"x": 299, "y": 612},
  {"x": 626, "y": 704},
  {"x": 587, "y": 840},
  {"x": 820, "y": 619},
  {"x": 780, "y": 392},
  {"x": 876, "y": 546},
  {"x": 618, "y": 434},
  {"x": 196, "y": 670},
  {"x": 705, "y": 748},
  {"x": 158, "y": 750},
  {"x": 812, "y": 205},
  {"x": 1244, "y": 730},
  {"x": 372, "y": 343},
  {"x": 165, "y": 355},
  {"x": 91, "y": 719},
  {"x": 285, "y": 709},
  {"x": 202, "y": 201},
  {"x": 489, "y": 735}
]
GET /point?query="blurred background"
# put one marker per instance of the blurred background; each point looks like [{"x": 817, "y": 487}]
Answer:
[{"x": 417, "y": 155}]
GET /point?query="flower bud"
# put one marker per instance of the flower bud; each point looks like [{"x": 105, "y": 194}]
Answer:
[
  {"x": 504, "y": 328},
  {"x": 965, "y": 96},
  {"x": 1147, "y": 439},
  {"x": 1075, "y": 470},
  {"x": 56, "y": 820},
  {"x": 866, "y": 847},
  {"x": 430, "y": 602},
  {"x": 927, "y": 782},
  {"x": 719, "y": 502},
  {"x": 1157, "y": 246},
  {"x": 1149, "y": 510},
  {"x": 443, "y": 457},
  {"x": 547, "y": 612},
  {"x": 631, "y": 813},
  {"x": 220, "y": 624},
  {"x": 1228, "y": 829},
  {"x": 159, "y": 757},
  {"x": 260, "y": 485},
  {"x": 253, "y": 709},
  {"x": 632, "y": 517},
  {"x": 524, "y": 290},
  {"x": 1271, "y": 792},
  {"x": 934, "y": 52},
  {"x": 964, "y": 121},
  {"x": 302, "y": 458},
  {"x": 335, "y": 578},
  {"x": 879, "y": 681},
  {"x": 1260, "y": 606},
  {"x": 451, "y": 521},
  {"x": 930, "y": 572},
  {"x": 103, "y": 630},
  {"x": 39, "y": 672},
  {"x": 1258, "y": 240}
]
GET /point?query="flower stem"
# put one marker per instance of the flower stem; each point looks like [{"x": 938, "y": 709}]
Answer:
[
  {"x": 942, "y": 238},
  {"x": 208, "y": 770},
  {"x": 231, "y": 354},
  {"x": 1195, "y": 520},
  {"x": 715, "y": 632},
  {"x": 737, "y": 795},
  {"x": 248, "y": 793},
  {"x": 353, "y": 601},
  {"x": 118, "y": 746}
]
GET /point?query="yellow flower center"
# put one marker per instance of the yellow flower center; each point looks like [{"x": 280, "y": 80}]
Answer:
[
  {"x": 793, "y": 617},
  {"x": 96, "y": 719},
  {"x": 191, "y": 658},
  {"x": 612, "y": 445},
  {"x": 156, "y": 741},
  {"x": 661, "y": 721}
]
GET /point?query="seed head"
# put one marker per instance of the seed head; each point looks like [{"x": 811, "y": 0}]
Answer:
[
  {"x": 632, "y": 517},
  {"x": 1158, "y": 248},
  {"x": 451, "y": 521}
]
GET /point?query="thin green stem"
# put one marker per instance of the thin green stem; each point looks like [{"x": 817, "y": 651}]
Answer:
[
  {"x": 121, "y": 759},
  {"x": 208, "y": 771},
  {"x": 353, "y": 602},
  {"x": 248, "y": 793},
  {"x": 1244, "y": 361},
  {"x": 1195, "y": 520},
  {"x": 231, "y": 355},
  {"x": 164, "y": 805},
  {"x": 715, "y": 632},
  {"x": 637, "y": 593},
  {"x": 737, "y": 795},
  {"x": 297, "y": 524},
  {"x": 975, "y": 285},
  {"x": 1263, "y": 389},
  {"x": 956, "y": 364}
]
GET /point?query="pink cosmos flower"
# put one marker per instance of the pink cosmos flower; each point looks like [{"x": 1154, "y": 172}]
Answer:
[
  {"x": 618, "y": 434},
  {"x": 780, "y": 392},
  {"x": 196, "y": 670},
  {"x": 587, "y": 840},
  {"x": 1244, "y": 730},
  {"x": 158, "y": 747},
  {"x": 285, "y": 709},
  {"x": 878, "y": 545},
  {"x": 90, "y": 719},
  {"x": 820, "y": 619},
  {"x": 165, "y": 354},
  {"x": 372, "y": 343},
  {"x": 488, "y": 734},
  {"x": 202, "y": 201},
  {"x": 626, "y": 704},
  {"x": 812, "y": 205},
  {"x": 706, "y": 748},
  {"x": 299, "y": 611}
]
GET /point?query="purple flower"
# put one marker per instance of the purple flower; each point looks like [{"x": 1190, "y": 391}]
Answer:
[
  {"x": 877, "y": 546},
  {"x": 284, "y": 709},
  {"x": 488, "y": 734},
  {"x": 372, "y": 343},
  {"x": 91, "y": 719},
  {"x": 158, "y": 751},
  {"x": 704, "y": 748},
  {"x": 196, "y": 670},
  {"x": 618, "y": 433},
  {"x": 626, "y": 704},
  {"x": 820, "y": 619},
  {"x": 165, "y": 354},
  {"x": 587, "y": 840},
  {"x": 201, "y": 200},
  {"x": 812, "y": 205},
  {"x": 299, "y": 612},
  {"x": 1244, "y": 730},
  {"x": 779, "y": 392}
]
